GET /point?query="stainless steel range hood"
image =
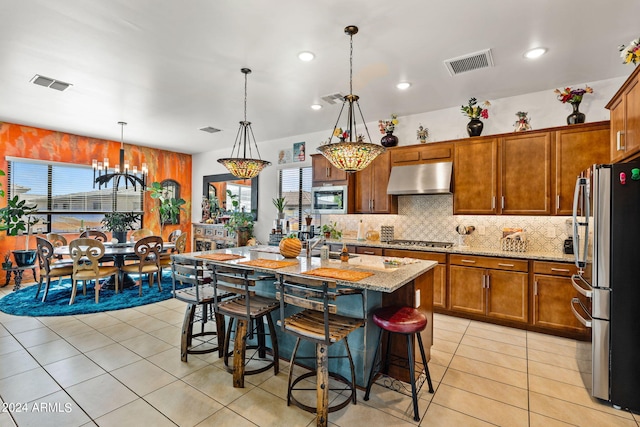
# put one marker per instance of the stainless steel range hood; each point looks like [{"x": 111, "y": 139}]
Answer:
[{"x": 427, "y": 178}]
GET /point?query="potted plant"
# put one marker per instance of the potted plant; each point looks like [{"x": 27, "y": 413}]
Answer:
[
  {"x": 168, "y": 207},
  {"x": 280, "y": 203},
  {"x": 330, "y": 231},
  {"x": 17, "y": 218},
  {"x": 307, "y": 218},
  {"x": 240, "y": 222},
  {"x": 119, "y": 223}
]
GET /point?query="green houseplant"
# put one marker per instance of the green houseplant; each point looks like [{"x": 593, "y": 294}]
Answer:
[
  {"x": 240, "y": 222},
  {"x": 330, "y": 231},
  {"x": 17, "y": 218},
  {"x": 280, "y": 203},
  {"x": 119, "y": 223},
  {"x": 168, "y": 207}
]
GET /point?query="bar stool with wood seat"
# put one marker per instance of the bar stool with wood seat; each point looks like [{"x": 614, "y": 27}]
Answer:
[
  {"x": 317, "y": 321},
  {"x": 409, "y": 322},
  {"x": 199, "y": 298},
  {"x": 248, "y": 311}
]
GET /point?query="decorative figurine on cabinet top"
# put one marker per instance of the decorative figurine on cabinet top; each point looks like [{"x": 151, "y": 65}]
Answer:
[
  {"x": 522, "y": 124},
  {"x": 423, "y": 134}
]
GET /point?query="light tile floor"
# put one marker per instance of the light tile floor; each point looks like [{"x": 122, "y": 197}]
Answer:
[{"x": 123, "y": 368}]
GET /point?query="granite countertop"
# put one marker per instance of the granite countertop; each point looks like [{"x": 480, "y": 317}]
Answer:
[
  {"x": 539, "y": 256},
  {"x": 382, "y": 280}
]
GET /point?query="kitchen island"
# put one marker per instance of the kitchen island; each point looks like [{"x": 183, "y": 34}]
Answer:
[{"x": 409, "y": 284}]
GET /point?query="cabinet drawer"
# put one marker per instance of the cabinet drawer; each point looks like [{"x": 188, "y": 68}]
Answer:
[
  {"x": 364, "y": 250},
  {"x": 490, "y": 262},
  {"x": 413, "y": 155},
  {"x": 554, "y": 268},
  {"x": 337, "y": 247},
  {"x": 440, "y": 258}
]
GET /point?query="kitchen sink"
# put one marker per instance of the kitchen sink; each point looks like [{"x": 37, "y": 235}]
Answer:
[{"x": 332, "y": 255}]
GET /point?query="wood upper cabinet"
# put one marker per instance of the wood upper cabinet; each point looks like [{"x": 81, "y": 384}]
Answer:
[
  {"x": 475, "y": 170},
  {"x": 489, "y": 287},
  {"x": 371, "y": 187},
  {"x": 324, "y": 172},
  {"x": 625, "y": 119},
  {"x": 551, "y": 296},
  {"x": 525, "y": 179},
  {"x": 576, "y": 148},
  {"x": 423, "y": 153}
]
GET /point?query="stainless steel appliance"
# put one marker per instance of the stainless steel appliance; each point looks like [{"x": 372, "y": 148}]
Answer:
[
  {"x": 608, "y": 198},
  {"x": 330, "y": 199},
  {"x": 421, "y": 243},
  {"x": 426, "y": 178}
]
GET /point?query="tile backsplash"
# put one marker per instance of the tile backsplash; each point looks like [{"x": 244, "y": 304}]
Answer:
[{"x": 431, "y": 218}]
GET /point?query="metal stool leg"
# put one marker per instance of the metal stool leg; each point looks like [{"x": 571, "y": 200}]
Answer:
[
  {"x": 414, "y": 393},
  {"x": 424, "y": 361},
  {"x": 376, "y": 361}
]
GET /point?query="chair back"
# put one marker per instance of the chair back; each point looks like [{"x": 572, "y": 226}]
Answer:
[
  {"x": 190, "y": 272},
  {"x": 174, "y": 235},
  {"x": 238, "y": 282},
  {"x": 45, "y": 253},
  {"x": 148, "y": 250},
  {"x": 86, "y": 254},
  {"x": 181, "y": 243},
  {"x": 140, "y": 233},
  {"x": 57, "y": 240},
  {"x": 94, "y": 234}
]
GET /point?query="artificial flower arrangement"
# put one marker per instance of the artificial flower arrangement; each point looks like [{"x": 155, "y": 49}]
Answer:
[
  {"x": 572, "y": 96},
  {"x": 388, "y": 125},
  {"x": 475, "y": 111},
  {"x": 342, "y": 134},
  {"x": 630, "y": 53}
]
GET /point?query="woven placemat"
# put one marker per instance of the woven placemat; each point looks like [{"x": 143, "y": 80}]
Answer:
[
  {"x": 268, "y": 263},
  {"x": 339, "y": 274},
  {"x": 220, "y": 257}
]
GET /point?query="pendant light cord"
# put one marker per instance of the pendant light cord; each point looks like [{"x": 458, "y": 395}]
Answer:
[
  {"x": 351, "y": 64},
  {"x": 245, "y": 97}
]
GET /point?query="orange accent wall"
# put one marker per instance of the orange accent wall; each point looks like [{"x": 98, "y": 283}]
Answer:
[{"x": 42, "y": 144}]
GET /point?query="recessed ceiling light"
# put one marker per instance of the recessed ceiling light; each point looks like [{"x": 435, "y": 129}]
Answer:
[
  {"x": 316, "y": 106},
  {"x": 535, "y": 53},
  {"x": 403, "y": 85},
  {"x": 306, "y": 56}
]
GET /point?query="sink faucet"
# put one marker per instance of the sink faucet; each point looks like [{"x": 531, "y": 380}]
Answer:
[{"x": 312, "y": 244}]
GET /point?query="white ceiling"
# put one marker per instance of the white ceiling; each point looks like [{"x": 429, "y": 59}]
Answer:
[{"x": 169, "y": 68}]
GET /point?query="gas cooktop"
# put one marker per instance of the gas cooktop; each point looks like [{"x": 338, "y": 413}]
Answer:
[{"x": 421, "y": 243}]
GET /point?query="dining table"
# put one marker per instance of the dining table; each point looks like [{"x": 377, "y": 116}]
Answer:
[{"x": 118, "y": 252}]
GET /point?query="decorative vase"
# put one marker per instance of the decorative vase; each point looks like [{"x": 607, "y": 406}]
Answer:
[
  {"x": 121, "y": 236},
  {"x": 389, "y": 140},
  {"x": 24, "y": 258},
  {"x": 474, "y": 127},
  {"x": 575, "y": 117},
  {"x": 290, "y": 247}
]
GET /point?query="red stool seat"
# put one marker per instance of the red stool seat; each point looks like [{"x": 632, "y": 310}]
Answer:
[{"x": 402, "y": 320}]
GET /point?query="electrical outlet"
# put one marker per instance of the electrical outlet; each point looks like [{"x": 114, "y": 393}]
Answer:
[
  {"x": 482, "y": 230},
  {"x": 551, "y": 232}
]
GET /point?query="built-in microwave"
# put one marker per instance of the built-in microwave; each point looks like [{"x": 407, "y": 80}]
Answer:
[{"x": 329, "y": 199}]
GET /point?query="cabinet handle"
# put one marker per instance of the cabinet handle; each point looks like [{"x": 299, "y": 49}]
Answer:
[
  {"x": 328, "y": 172},
  {"x": 470, "y": 261},
  {"x": 502, "y": 202},
  {"x": 488, "y": 281},
  {"x": 560, "y": 270},
  {"x": 619, "y": 145},
  {"x": 368, "y": 252},
  {"x": 535, "y": 288},
  {"x": 484, "y": 281},
  {"x": 493, "y": 202},
  {"x": 373, "y": 204},
  {"x": 558, "y": 202},
  {"x": 500, "y": 264}
]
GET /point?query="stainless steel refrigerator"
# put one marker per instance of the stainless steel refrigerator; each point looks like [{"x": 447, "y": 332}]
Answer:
[{"x": 607, "y": 205}]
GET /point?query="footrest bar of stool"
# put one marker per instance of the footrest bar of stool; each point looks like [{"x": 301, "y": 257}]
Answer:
[{"x": 313, "y": 409}]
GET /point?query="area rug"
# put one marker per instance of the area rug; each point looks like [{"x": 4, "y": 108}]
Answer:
[{"x": 24, "y": 303}]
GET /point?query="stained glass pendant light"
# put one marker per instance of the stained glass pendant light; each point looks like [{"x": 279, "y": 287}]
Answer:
[
  {"x": 102, "y": 176},
  {"x": 352, "y": 153},
  {"x": 244, "y": 167}
]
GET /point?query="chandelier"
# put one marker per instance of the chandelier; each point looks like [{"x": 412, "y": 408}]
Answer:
[
  {"x": 102, "y": 176},
  {"x": 352, "y": 153},
  {"x": 244, "y": 167}
]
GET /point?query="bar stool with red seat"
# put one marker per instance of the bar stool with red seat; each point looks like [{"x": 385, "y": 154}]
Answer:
[{"x": 406, "y": 321}]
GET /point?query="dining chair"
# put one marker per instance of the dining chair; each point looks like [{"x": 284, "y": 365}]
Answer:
[
  {"x": 140, "y": 233},
  {"x": 148, "y": 251},
  {"x": 48, "y": 267},
  {"x": 248, "y": 312},
  {"x": 180, "y": 247},
  {"x": 199, "y": 297},
  {"x": 314, "y": 317},
  {"x": 58, "y": 240},
  {"x": 174, "y": 235},
  {"x": 86, "y": 254},
  {"x": 94, "y": 234}
]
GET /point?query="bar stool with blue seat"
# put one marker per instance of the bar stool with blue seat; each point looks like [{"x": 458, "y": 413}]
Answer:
[{"x": 409, "y": 322}]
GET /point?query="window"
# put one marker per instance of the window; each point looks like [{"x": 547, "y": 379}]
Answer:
[
  {"x": 65, "y": 195},
  {"x": 244, "y": 196},
  {"x": 295, "y": 186}
]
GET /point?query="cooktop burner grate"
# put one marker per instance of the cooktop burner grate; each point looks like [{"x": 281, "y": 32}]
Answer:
[{"x": 421, "y": 243}]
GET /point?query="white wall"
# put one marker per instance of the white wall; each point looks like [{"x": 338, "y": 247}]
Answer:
[{"x": 543, "y": 107}]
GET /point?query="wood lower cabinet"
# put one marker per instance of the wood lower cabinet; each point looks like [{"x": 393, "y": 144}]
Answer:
[
  {"x": 491, "y": 287},
  {"x": 551, "y": 296},
  {"x": 439, "y": 271}
]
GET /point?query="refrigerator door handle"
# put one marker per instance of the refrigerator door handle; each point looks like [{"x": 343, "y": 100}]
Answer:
[
  {"x": 583, "y": 287},
  {"x": 581, "y": 192},
  {"x": 585, "y": 322}
]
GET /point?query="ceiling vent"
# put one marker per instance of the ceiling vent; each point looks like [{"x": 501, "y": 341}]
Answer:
[
  {"x": 472, "y": 61},
  {"x": 209, "y": 129},
  {"x": 333, "y": 98},
  {"x": 50, "y": 83}
]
